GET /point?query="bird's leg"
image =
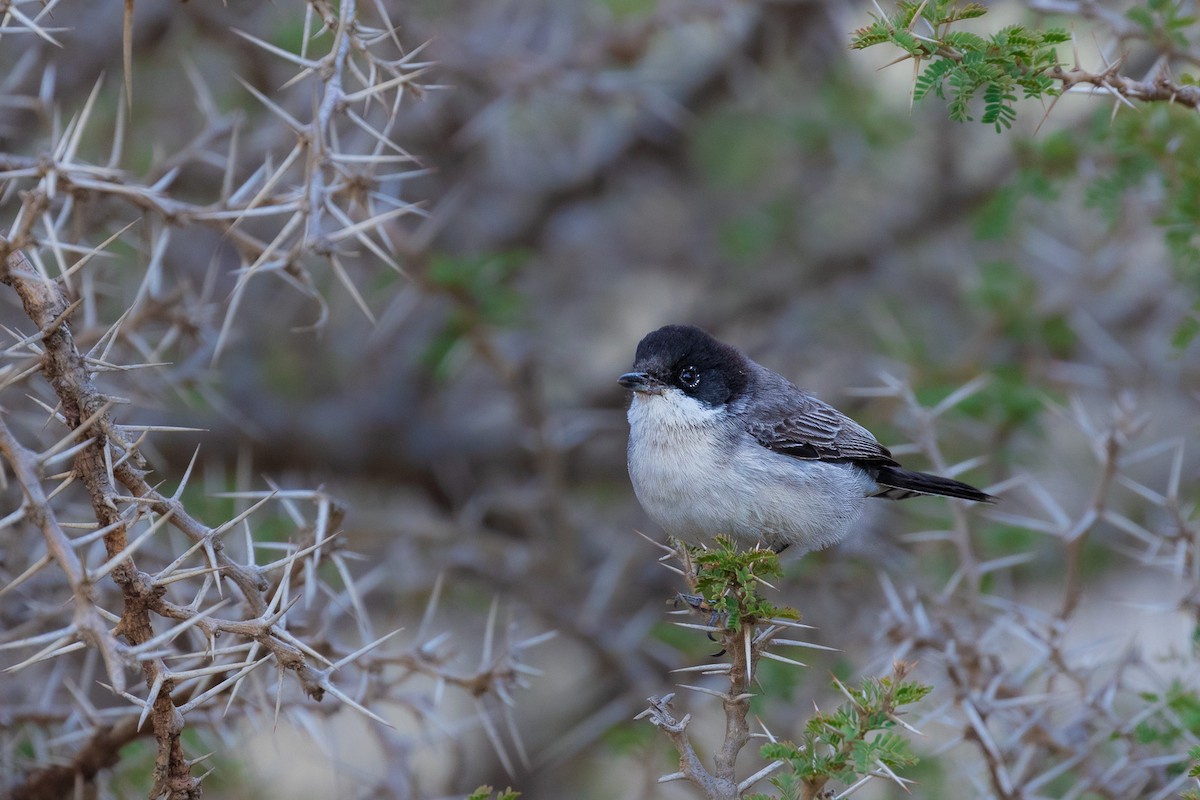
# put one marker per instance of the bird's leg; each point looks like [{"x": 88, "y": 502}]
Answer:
[
  {"x": 692, "y": 601},
  {"x": 698, "y": 603}
]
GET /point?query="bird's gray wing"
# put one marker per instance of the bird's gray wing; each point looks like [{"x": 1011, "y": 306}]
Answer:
[{"x": 805, "y": 427}]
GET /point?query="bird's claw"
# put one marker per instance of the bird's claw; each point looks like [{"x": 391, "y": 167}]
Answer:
[
  {"x": 693, "y": 601},
  {"x": 716, "y": 619}
]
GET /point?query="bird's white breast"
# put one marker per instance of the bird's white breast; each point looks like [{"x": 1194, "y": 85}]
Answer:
[
  {"x": 698, "y": 475},
  {"x": 676, "y": 454}
]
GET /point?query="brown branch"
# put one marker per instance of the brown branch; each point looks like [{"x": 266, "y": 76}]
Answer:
[
  {"x": 248, "y": 580},
  {"x": 85, "y": 410},
  {"x": 66, "y": 370},
  {"x": 722, "y": 782},
  {"x": 88, "y": 623},
  {"x": 1161, "y": 89},
  {"x": 690, "y": 767},
  {"x": 1126, "y": 423},
  {"x": 745, "y": 646},
  {"x": 102, "y": 751},
  {"x": 736, "y": 703}
]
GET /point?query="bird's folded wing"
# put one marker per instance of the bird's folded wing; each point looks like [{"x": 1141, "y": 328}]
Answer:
[{"x": 811, "y": 429}]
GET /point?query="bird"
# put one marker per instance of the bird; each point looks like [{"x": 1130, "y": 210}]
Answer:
[{"x": 721, "y": 445}]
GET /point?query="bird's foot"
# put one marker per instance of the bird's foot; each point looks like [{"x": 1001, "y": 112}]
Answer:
[
  {"x": 716, "y": 619},
  {"x": 693, "y": 601}
]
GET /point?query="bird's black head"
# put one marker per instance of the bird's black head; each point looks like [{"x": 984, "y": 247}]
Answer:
[{"x": 687, "y": 358}]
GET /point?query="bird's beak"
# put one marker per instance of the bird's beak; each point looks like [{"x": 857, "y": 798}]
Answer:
[{"x": 641, "y": 382}]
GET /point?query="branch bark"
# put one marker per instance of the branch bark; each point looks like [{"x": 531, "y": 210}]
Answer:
[
  {"x": 84, "y": 409},
  {"x": 102, "y": 751},
  {"x": 1162, "y": 88}
]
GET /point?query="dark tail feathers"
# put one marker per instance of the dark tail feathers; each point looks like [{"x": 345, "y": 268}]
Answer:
[{"x": 898, "y": 484}]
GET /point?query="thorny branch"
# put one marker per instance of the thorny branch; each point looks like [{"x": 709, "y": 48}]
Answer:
[
  {"x": 745, "y": 646},
  {"x": 84, "y": 408},
  {"x": 172, "y": 692},
  {"x": 1121, "y": 26},
  {"x": 38, "y": 511},
  {"x": 854, "y": 740},
  {"x": 1161, "y": 88},
  {"x": 327, "y": 199},
  {"x": 1013, "y": 668},
  {"x": 721, "y": 782},
  {"x": 336, "y": 186}
]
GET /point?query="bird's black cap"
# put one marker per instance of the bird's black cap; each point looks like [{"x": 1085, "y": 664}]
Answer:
[{"x": 688, "y": 358}]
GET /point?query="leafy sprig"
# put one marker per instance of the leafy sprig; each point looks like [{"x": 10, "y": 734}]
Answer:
[
  {"x": 729, "y": 580},
  {"x": 964, "y": 65},
  {"x": 854, "y": 743},
  {"x": 1166, "y": 23},
  {"x": 488, "y": 793},
  {"x": 1193, "y": 772},
  {"x": 855, "y": 740}
]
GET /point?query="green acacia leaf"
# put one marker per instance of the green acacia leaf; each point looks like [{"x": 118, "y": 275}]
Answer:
[
  {"x": 961, "y": 64},
  {"x": 908, "y": 42},
  {"x": 781, "y": 750},
  {"x": 1014, "y": 36},
  {"x": 877, "y": 32},
  {"x": 969, "y": 11},
  {"x": 862, "y": 755},
  {"x": 1141, "y": 16},
  {"x": 1187, "y": 332},
  {"x": 894, "y": 750},
  {"x": 966, "y": 41}
]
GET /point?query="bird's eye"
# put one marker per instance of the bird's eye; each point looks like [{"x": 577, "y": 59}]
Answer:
[{"x": 689, "y": 377}]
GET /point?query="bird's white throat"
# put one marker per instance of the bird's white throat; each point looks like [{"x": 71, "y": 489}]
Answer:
[{"x": 670, "y": 413}]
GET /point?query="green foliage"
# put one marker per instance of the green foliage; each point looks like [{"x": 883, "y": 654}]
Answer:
[
  {"x": 1193, "y": 772},
  {"x": 749, "y": 237},
  {"x": 847, "y": 744},
  {"x": 729, "y": 578},
  {"x": 483, "y": 295},
  {"x": 964, "y": 65},
  {"x": 735, "y": 149},
  {"x": 622, "y": 9},
  {"x": 488, "y": 793},
  {"x": 932, "y": 78},
  {"x": 1010, "y": 295},
  {"x": 1188, "y": 330},
  {"x": 1183, "y": 718},
  {"x": 480, "y": 283},
  {"x": 1154, "y": 153},
  {"x": 1159, "y": 149},
  {"x": 1164, "y": 23},
  {"x": 850, "y": 742}
]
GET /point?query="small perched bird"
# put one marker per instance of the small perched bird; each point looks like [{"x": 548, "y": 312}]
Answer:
[{"x": 719, "y": 444}]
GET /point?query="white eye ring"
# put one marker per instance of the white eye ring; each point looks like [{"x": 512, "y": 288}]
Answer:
[{"x": 689, "y": 376}]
